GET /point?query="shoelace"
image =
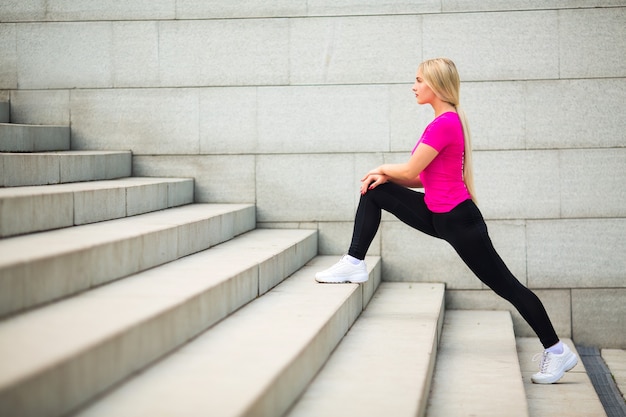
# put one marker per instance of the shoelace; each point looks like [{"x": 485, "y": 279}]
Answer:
[{"x": 544, "y": 361}]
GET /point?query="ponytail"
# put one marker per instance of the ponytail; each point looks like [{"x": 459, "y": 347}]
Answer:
[{"x": 468, "y": 170}]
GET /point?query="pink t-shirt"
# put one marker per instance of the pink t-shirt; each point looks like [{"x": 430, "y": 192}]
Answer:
[{"x": 444, "y": 187}]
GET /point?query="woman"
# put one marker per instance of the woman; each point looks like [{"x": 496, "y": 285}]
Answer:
[{"x": 441, "y": 163}]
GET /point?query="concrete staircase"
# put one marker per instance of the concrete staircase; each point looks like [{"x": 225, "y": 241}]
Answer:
[
  {"x": 71, "y": 327},
  {"x": 119, "y": 296}
]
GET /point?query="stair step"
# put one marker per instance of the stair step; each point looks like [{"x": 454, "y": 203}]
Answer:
[
  {"x": 255, "y": 362},
  {"x": 46, "y": 207},
  {"x": 384, "y": 365},
  {"x": 572, "y": 396},
  {"x": 615, "y": 360},
  {"x": 40, "y": 168},
  {"x": 5, "y": 112},
  {"x": 477, "y": 371},
  {"x": 59, "y": 356},
  {"x": 33, "y": 138},
  {"x": 42, "y": 267}
]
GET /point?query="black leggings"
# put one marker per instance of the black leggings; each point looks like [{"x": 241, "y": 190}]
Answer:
[{"x": 464, "y": 228}]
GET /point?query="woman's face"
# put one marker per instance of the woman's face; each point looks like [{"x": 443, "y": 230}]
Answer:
[{"x": 423, "y": 93}]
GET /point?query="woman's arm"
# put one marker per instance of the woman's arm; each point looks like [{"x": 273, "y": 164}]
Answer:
[
  {"x": 414, "y": 183},
  {"x": 423, "y": 155},
  {"x": 406, "y": 174}
]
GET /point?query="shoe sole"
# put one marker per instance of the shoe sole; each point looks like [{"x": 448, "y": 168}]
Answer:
[
  {"x": 571, "y": 363},
  {"x": 347, "y": 281}
]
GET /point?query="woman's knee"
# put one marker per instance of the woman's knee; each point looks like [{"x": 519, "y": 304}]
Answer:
[{"x": 376, "y": 193}]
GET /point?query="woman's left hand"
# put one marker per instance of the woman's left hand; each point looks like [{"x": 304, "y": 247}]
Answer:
[{"x": 372, "y": 180}]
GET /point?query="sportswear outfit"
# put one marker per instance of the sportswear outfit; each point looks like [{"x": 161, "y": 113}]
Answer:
[{"x": 446, "y": 211}]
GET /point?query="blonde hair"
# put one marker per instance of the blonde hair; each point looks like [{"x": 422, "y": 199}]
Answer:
[{"x": 443, "y": 78}]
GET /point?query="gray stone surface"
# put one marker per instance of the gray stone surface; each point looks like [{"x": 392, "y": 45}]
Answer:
[
  {"x": 141, "y": 318},
  {"x": 50, "y": 107},
  {"x": 462, "y": 384},
  {"x": 262, "y": 374},
  {"x": 228, "y": 122},
  {"x": 312, "y": 119},
  {"x": 366, "y": 7},
  {"x": 99, "y": 204},
  {"x": 577, "y": 253},
  {"x": 592, "y": 183},
  {"x": 517, "y": 184},
  {"x": 279, "y": 178},
  {"x": 116, "y": 164},
  {"x": 180, "y": 192},
  {"x": 572, "y": 113},
  {"x": 591, "y": 42},
  {"x": 213, "y": 179},
  {"x": 395, "y": 339},
  {"x": 135, "y": 54},
  {"x": 5, "y": 111},
  {"x": 82, "y": 166},
  {"x": 261, "y": 58},
  {"x": 116, "y": 10},
  {"x": 488, "y": 5},
  {"x": 8, "y": 64},
  {"x": 42, "y": 10},
  {"x": 22, "y": 212},
  {"x": 29, "y": 169},
  {"x": 145, "y": 198},
  {"x": 512, "y": 114},
  {"x": 302, "y": 51},
  {"x": 69, "y": 166},
  {"x": 531, "y": 35},
  {"x": 557, "y": 304},
  {"x": 616, "y": 361},
  {"x": 192, "y": 9},
  {"x": 496, "y": 113},
  {"x": 154, "y": 120},
  {"x": 598, "y": 317},
  {"x": 74, "y": 55},
  {"x": 349, "y": 50},
  {"x": 22, "y": 10},
  {"x": 550, "y": 184},
  {"x": 329, "y": 118},
  {"x": 31, "y": 138},
  {"x": 39, "y": 268}
]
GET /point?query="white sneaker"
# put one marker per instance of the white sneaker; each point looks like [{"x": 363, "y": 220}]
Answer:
[
  {"x": 343, "y": 271},
  {"x": 554, "y": 366}
]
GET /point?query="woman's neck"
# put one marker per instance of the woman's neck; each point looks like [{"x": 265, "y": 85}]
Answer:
[{"x": 441, "y": 107}]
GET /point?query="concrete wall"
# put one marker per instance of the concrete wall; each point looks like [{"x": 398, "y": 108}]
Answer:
[{"x": 286, "y": 104}]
